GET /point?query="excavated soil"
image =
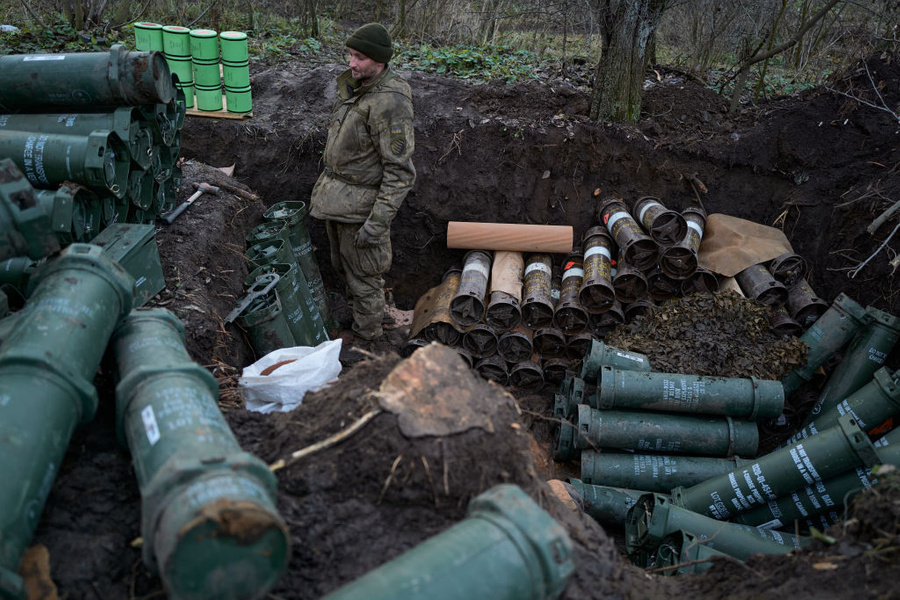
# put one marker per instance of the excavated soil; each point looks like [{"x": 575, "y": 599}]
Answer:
[{"x": 821, "y": 167}]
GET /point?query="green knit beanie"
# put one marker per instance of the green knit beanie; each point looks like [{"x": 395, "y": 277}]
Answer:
[{"x": 373, "y": 40}]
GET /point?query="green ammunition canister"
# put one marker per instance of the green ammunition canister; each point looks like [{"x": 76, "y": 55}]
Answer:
[
  {"x": 817, "y": 458},
  {"x": 602, "y": 355},
  {"x": 822, "y": 503},
  {"x": 662, "y": 432},
  {"x": 652, "y": 472},
  {"x": 84, "y": 79},
  {"x": 828, "y": 334},
  {"x": 507, "y": 548},
  {"x": 47, "y": 366},
  {"x": 605, "y": 504},
  {"x": 866, "y": 352},
  {"x": 209, "y": 524},
  {"x": 654, "y": 517},
  {"x": 746, "y": 398}
]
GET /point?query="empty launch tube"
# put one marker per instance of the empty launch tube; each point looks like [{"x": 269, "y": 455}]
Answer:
[
  {"x": 507, "y": 548},
  {"x": 209, "y": 521},
  {"x": 820, "y": 457},
  {"x": 602, "y": 355},
  {"x": 661, "y": 432},
  {"x": 654, "y": 517},
  {"x": 831, "y": 331},
  {"x": 747, "y": 398},
  {"x": 652, "y": 472},
  {"x": 47, "y": 366},
  {"x": 866, "y": 352}
]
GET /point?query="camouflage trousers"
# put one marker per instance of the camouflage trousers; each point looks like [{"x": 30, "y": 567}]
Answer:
[{"x": 363, "y": 269}]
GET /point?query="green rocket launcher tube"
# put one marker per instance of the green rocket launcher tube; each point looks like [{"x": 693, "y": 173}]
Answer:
[
  {"x": 870, "y": 406},
  {"x": 507, "y": 548},
  {"x": 654, "y": 517},
  {"x": 865, "y": 354},
  {"x": 833, "y": 329},
  {"x": 209, "y": 521},
  {"x": 818, "y": 458},
  {"x": 652, "y": 472},
  {"x": 84, "y": 79},
  {"x": 822, "y": 503},
  {"x": 746, "y": 398},
  {"x": 605, "y": 504},
  {"x": 602, "y": 355},
  {"x": 47, "y": 365},
  {"x": 662, "y": 432}
]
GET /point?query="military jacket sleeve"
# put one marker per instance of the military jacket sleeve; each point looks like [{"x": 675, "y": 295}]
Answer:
[{"x": 368, "y": 155}]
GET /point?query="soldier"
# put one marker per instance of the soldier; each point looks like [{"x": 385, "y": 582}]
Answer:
[{"x": 368, "y": 172}]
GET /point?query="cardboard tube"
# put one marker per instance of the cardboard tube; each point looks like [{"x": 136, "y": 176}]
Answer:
[{"x": 509, "y": 236}]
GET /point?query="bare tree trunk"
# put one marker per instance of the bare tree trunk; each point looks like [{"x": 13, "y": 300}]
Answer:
[{"x": 626, "y": 27}]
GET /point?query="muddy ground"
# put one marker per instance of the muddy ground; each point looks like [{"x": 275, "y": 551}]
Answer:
[{"x": 820, "y": 166}]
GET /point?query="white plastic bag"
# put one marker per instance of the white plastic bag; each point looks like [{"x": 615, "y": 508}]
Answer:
[{"x": 304, "y": 369}]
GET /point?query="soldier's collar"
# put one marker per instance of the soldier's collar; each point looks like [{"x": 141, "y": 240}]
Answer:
[{"x": 348, "y": 87}]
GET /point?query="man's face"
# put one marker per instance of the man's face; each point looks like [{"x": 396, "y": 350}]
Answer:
[{"x": 362, "y": 67}]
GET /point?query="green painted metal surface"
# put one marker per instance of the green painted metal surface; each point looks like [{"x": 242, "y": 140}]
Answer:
[
  {"x": 829, "y": 333},
  {"x": 746, "y": 398},
  {"x": 870, "y": 406},
  {"x": 25, "y": 226},
  {"x": 606, "y": 504},
  {"x": 822, "y": 503},
  {"x": 507, "y": 548},
  {"x": 84, "y": 79},
  {"x": 304, "y": 320},
  {"x": 818, "y": 458},
  {"x": 682, "y": 552},
  {"x": 99, "y": 160},
  {"x": 654, "y": 517},
  {"x": 867, "y": 352},
  {"x": 300, "y": 244},
  {"x": 652, "y": 472},
  {"x": 134, "y": 247},
  {"x": 661, "y": 432},
  {"x": 209, "y": 522},
  {"x": 47, "y": 366},
  {"x": 602, "y": 355}
]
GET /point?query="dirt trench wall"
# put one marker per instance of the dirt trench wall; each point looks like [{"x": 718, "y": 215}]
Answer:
[{"x": 526, "y": 153}]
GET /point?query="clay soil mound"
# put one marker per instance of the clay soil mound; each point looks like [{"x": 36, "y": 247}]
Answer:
[{"x": 821, "y": 167}]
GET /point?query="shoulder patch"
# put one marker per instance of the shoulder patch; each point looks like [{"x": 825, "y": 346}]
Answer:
[{"x": 398, "y": 140}]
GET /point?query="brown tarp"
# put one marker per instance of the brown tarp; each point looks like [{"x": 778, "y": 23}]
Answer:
[{"x": 730, "y": 244}]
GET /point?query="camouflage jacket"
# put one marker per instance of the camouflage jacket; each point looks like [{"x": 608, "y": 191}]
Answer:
[{"x": 368, "y": 155}]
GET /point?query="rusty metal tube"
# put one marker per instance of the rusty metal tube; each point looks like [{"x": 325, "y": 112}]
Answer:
[
  {"x": 569, "y": 315},
  {"x": 639, "y": 248},
  {"x": 758, "y": 284},
  {"x": 597, "y": 293},
  {"x": 504, "y": 307},
  {"x": 467, "y": 306},
  {"x": 537, "y": 301}
]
